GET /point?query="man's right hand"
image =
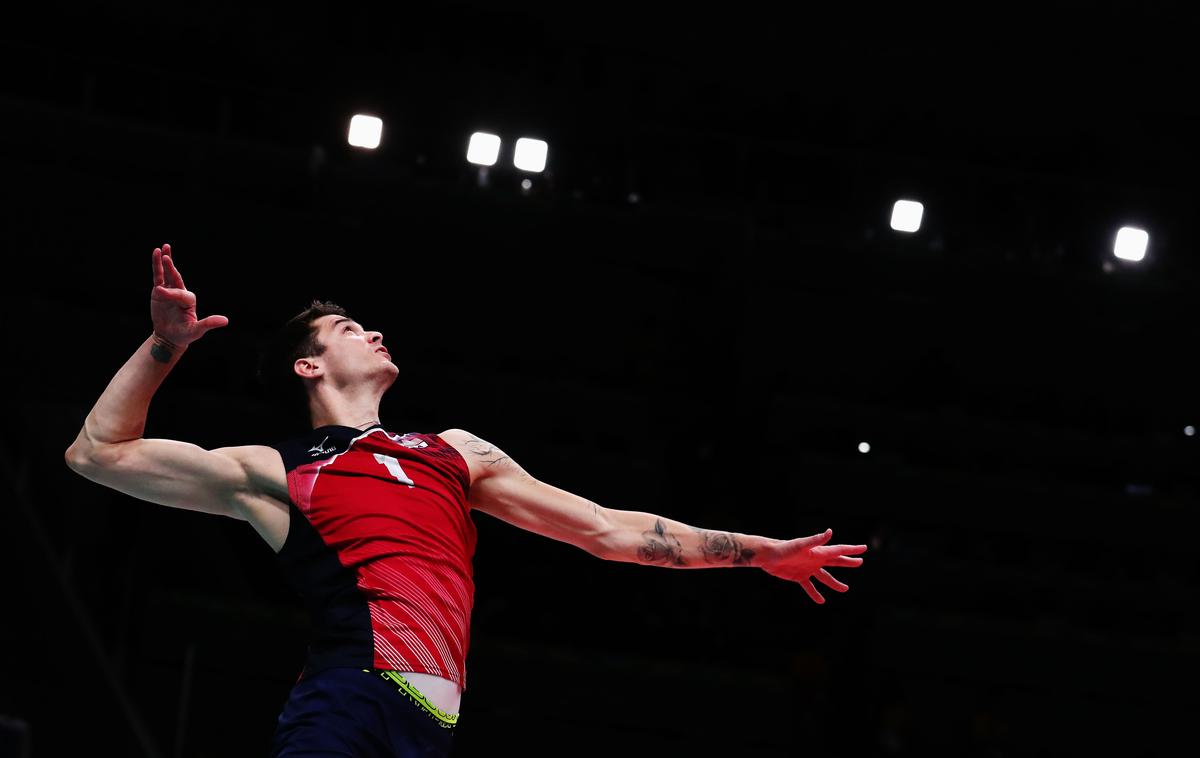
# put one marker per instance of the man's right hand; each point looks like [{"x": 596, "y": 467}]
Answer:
[{"x": 173, "y": 307}]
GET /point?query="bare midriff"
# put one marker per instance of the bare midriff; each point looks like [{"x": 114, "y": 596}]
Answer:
[{"x": 443, "y": 693}]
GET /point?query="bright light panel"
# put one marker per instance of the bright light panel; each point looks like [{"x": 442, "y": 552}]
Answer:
[
  {"x": 530, "y": 154},
  {"x": 365, "y": 131},
  {"x": 483, "y": 149},
  {"x": 906, "y": 215},
  {"x": 1131, "y": 244}
]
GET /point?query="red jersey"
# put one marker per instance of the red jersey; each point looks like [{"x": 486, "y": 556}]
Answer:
[{"x": 379, "y": 546}]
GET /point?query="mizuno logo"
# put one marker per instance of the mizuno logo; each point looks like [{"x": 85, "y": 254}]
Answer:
[{"x": 319, "y": 448}]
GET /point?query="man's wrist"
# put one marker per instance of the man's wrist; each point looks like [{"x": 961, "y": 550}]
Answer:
[
  {"x": 162, "y": 349},
  {"x": 762, "y": 547}
]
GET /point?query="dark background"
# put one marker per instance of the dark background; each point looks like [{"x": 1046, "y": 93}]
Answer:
[{"x": 699, "y": 310}]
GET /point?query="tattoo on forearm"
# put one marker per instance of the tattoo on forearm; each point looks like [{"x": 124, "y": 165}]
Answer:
[
  {"x": 723, "y": 547},
  {"x": 661, "y": 547}
]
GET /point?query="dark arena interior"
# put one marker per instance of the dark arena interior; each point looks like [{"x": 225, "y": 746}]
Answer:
[{"x": 925, "y": 275}]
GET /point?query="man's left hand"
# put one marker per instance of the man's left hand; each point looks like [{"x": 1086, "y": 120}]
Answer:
[{"x": 801, "y": 559}]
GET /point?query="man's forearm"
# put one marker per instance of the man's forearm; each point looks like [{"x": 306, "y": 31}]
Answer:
[
  {"x": 120, "y": 413},
  {"x": 656, "y": 541}
]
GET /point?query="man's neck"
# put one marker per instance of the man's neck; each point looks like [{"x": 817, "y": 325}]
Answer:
[{"x": 353, "y": 423}]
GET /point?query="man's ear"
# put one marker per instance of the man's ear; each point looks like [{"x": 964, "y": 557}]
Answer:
[{"x": 306, "y": 367}]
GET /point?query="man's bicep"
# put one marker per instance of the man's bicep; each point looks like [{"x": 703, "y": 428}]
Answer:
[{"x": 172, "y": 473}]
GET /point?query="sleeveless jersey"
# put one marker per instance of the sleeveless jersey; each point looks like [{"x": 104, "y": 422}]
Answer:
[{"x": 379, "y": 547}]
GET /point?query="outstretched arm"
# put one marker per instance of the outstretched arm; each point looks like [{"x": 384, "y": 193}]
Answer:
[{"x": 503, "y": 489}]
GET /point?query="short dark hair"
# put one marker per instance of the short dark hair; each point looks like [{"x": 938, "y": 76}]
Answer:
[{"x": 297, "y": 338}]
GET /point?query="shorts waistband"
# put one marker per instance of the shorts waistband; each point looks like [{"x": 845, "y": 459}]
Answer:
[{"x": 406, "y": 688}]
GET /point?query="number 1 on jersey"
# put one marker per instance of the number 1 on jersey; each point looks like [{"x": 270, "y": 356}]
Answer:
[{"x": 393, "y": 466}]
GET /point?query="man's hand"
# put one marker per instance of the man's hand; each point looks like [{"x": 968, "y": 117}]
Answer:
[
  {"x": 173, "y": 307},
  {"x": 800, "y": 559}
]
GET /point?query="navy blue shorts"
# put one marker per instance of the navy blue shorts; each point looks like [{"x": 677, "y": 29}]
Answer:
[{"x": 364, "y": 713}]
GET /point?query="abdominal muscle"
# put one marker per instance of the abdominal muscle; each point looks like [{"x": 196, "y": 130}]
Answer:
[{"x": 443, "y": 693}]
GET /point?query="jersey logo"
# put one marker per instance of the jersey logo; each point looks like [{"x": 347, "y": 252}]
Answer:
[
  {"x": 412, "y": 442},
  {"x": 317, "y": 449}
]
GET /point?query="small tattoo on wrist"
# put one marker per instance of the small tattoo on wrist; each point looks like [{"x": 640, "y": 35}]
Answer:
[{"x": 162, "y": 349}]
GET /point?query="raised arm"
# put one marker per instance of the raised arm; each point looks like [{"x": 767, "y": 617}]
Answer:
[{"x": 109, "y": 448}]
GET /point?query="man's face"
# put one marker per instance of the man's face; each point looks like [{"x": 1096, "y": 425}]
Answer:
[{"x": 351, "y": 354}]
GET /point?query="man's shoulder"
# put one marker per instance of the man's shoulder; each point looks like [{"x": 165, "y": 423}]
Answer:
[
  {"x": 259, "y": 456},
  {"x": 460, "y": 440},
  {"x": 251, "y": 455},
  {"x": 265, "y": 466},
  {"x": 468, "y": 446},
  {"x": 456, "y": 435}
]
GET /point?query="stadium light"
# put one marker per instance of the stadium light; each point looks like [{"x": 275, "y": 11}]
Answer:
[
  {"x": 530, "y": 154},
  {"x": 906, "y": 215},
  {"x": 365, "y": 131},
  {"x": 1131, "y": 244},
  {"x": 483, "y": 149}
]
